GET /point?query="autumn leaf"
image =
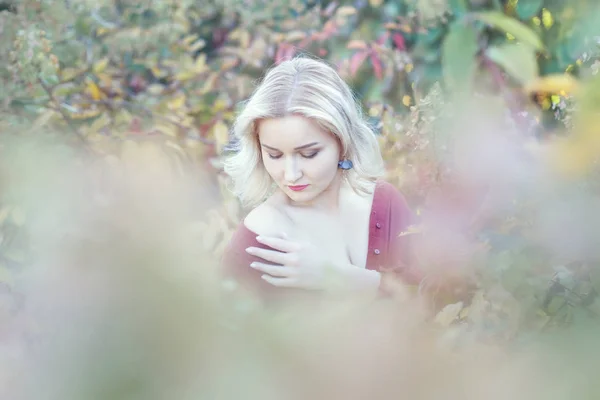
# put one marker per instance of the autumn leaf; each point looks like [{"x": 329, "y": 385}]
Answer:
[
  {"x": 346, "y": 11},
  {"x": 357, "y": 45},
  {"x": 357, "y": 60},
  {"x": 554, "y": 83},
  {"x": 398, "y": 40},
  {"x": 220, "y": 132},
  {"x": 94, "y": 91},
  {"x": 100, "y": 66},
  {"x": 177, "y": 103},
  {"x": 377, "y": 66}
]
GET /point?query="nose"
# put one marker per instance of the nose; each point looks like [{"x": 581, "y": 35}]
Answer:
[{"x": 293, "y": 172}]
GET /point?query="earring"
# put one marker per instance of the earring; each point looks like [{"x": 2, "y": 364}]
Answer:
[{"x": 345, "y": 164}]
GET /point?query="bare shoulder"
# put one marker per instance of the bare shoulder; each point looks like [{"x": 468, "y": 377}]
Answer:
[{"x": 266, "y": 219}]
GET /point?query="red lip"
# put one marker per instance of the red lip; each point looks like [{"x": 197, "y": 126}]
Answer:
[{"x": 298, "y": 188}]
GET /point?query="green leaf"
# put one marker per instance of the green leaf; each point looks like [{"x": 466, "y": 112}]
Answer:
[
  {"x": 527, "y": 9},
  {"x": 510, "y": 25},
  {"x": 518, "y": 60},
  {"x": 458, "y": 7},
  {"x": 458, "y": 55}
]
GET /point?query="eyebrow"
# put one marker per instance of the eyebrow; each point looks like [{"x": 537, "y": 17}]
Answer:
[{"x": 304, "y": 146}]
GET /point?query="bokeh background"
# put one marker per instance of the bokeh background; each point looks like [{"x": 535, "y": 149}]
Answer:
[{"x": 114, "y": 210}]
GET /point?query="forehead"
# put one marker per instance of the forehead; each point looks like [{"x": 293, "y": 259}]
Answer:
[{"x": 292, "y": 131}]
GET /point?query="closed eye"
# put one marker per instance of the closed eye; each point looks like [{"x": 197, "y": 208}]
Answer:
[
  {"x": 273, "y": 157},
  {"x": 311, "y": 155}
]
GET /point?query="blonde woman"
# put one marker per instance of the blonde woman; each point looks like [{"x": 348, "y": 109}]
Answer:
[{"x": 309, "y": 169}]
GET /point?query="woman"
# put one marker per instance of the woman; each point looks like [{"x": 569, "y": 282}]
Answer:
[{"x": 309, "y": 168}]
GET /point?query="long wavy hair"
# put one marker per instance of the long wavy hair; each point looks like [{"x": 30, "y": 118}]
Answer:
[{"x": 313, "y": 89}]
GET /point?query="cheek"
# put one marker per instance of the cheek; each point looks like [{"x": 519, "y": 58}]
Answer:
[
  {"x": 271, "y": 166},
  {"x": 324, "y": 167}
]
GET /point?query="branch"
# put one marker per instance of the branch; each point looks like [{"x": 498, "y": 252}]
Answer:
[
  {"x": 62, "y": 112},
  {"x": 150, "y": 113}
]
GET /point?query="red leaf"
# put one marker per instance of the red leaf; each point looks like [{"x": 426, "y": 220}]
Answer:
[
  {"x": 399, "y": 41},
  {"x": 290, "y": 52},
  {"x": 285, "y": 51},
  {"x": 377, "y": 65},
  {"x": 305, "y": 42},
  {"x": 329, "y": 28},
  {"x": 357, "y": 60}
]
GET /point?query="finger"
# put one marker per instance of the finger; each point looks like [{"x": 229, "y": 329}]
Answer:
[
  {"x": 273, "y": 256},
  {"x": 280, "y": 244},
  {"x": 273, "y": 270},
  {"x": 280, "y": 282}
]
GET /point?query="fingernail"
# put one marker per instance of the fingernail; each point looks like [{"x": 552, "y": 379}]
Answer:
[
  {"x": 249, "y": 250},
  {"x": 253, "y": 265},
  {"x": 259, "y": 238}
]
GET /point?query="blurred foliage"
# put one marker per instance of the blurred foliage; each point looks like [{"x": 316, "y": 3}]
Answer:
[{"x": 113, "y": 77}]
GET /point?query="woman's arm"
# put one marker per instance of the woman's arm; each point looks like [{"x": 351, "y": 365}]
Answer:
[{"x": 236, "y": 261}]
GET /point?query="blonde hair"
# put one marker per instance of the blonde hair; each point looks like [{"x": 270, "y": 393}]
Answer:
[{"x": 313, "y": 89}]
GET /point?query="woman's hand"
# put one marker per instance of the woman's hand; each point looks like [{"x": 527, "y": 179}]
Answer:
[{"x": 303, "y": 265}]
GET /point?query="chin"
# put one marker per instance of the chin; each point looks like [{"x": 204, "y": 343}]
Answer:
[{"x": 301, "y": 196}]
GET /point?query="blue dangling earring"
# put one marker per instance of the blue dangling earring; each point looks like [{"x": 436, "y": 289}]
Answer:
[{"x": 345, "y": 164}]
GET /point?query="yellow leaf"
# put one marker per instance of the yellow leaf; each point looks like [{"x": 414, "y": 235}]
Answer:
[
  {"x": 186, "y": 75},
  {"x": 93, "y": 90},
  {"x": 357, "y": 45},
  {"x": 85, "y": 114},
  {"x": 198, "y": 45},
  {"x": 155, "y": 89},
  {"x": 221, "y": 135},
  {"x": 547, "y": 18},
  {"x": 200, "y": 64},
  {"x": 168, "y": 129},
  {"x": 123, "y": 117},
  {"x": 345, "y": 11},
  {"x": 375, "y": 3},
  {"x": 99, "y": 123},
  {"x": 158, "y": 72},
  {"x": 554, "y": 83},
  {"x": 189, "y": 39},
  {"x": 100, "y": 66},
  {"x": 104, "y": 79},
  {"x": 220, "y": 105},
  {"x": 245, "y": 39},
  {"x": 69, "y": 73},
  {"x": 229, "y": 63},
  {"x": 295, "y": 35},
  {"x": 209, "y": 84},
  {"x": 177, "y": 103}
]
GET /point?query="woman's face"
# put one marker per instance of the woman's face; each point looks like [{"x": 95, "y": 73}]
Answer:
[{"x": 300, "y": 156}]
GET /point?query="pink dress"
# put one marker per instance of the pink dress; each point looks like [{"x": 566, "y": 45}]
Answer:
[{"x": 388, "y": 252}]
